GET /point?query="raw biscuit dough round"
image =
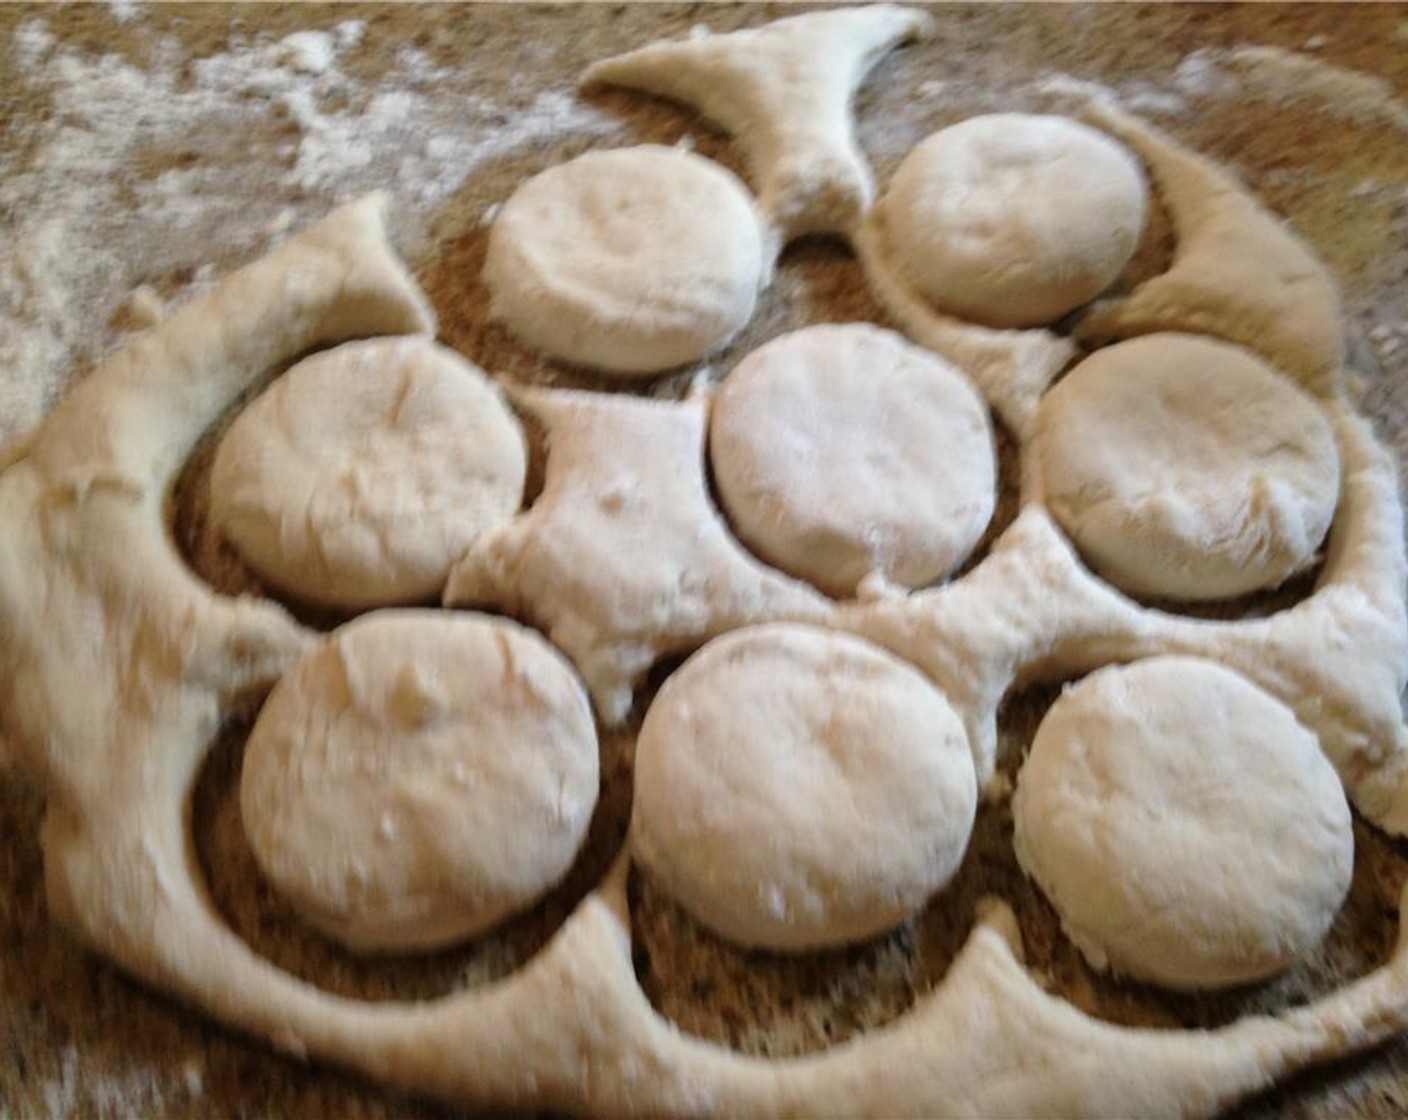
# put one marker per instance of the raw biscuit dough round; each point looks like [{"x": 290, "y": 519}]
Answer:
[
  {"x": 1185, "y": 468},
  {"x": 420, "y": 776},
  {"x": 629, "y": 261},
  {"x": 1186, "y": 828},
  {"x": 797, "y": 788},
  {"x": 1014, "y": 219},
  {"x": 364, "y": 472},
  {"x": 844, "y": 453}
]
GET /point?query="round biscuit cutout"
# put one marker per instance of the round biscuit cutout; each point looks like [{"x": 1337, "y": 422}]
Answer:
[
  {"x": 1185, "y": 468},
  {"x": 843, "y": 454},
  {"x": 419, "y": 777},
  {"x": 630, "y": 261},
  {"x": 798, "y": 788},
  {"x": 363, "y": 473},
  {"x": 1187, "y": 829},
  {"x": 1014, "y": 219}
]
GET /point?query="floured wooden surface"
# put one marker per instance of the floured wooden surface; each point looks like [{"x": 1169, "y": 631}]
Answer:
[{"x": 1331, "y": 161}]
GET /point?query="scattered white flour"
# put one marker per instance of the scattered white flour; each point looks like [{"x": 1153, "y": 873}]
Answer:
[
  {"x": 1389, "y": 338},
  {"x": 33, "y": 41},
  {"x": 193, "y": 1077},
  {"x": 1137, "y": 95},
  {"x": 83, "y": 222},
  {"x": 71, "y": 1092},
  {"x": 1201, "y": 75},
  {"x": 1282, "y": 76},
  {"x": 34, "y": 331},
  {"x": 312, "y": 52},
  {"x": 124, "y": 11},
  {"x": 1147, "y": 99}
]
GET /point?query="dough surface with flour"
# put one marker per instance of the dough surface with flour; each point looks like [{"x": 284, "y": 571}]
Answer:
[
  {"x": 118, "y": 668},
  {"x": 364, "y": 472},
  {"x": 1187, "y": 829},
  {"x": 798, "y": 788},
  {"x": 1186, "y": 468},
  {"x": 420, "y": 776},
  {"x": 629, "y": 261},
  {"x": 843, "y": 453},
  {"x": 1013, "y": 219}
]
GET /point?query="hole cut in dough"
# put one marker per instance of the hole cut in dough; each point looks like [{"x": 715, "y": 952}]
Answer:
[
  {"x": 630, "y": 261},
  {"x": 364, "y": 472},
  {"x": 1185, "y": 468},
  {"x": 798, "y": 788},
  {"x": 1013, "y": 219},
  {"x": 419, "y": 777},
  {"x": 1187, "y": 829},
  {"x": 844, "y": 454}
]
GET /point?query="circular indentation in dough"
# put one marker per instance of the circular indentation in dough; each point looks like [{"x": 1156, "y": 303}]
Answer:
[
  {"x": 1185, "y": 468},
  {"x": 630, "y": 261},
  {"x": 798, "y": 788},
  {"x": 363, "y": 473},
  {"x": 1186, "y": 828},
  {"x": 1012, "y": 219},
  {"x": 420, "y": 776},
  {"x": 844, "y": 452}
]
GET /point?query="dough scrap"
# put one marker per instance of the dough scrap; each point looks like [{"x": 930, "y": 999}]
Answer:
[
  {"x": 1187, "y": 829},
  {"x": 798, "y": 788},
  {"x": 629, "y": 261},
  {"x": 116, "y": 668},
  {"x": 623, "y": 559},
  {"x": 1185, "y": 468},
  {"x": 784, "y": 91},
  {"x": 843, "y": 454},
  {"x": 364, "y": 472},
  {"x": 1013, "y": 219},
  {"x": 1238, "y": 273},
  {"x": 419, "y": 777}
]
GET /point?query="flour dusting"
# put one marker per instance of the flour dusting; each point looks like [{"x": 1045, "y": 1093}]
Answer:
[
  {"x": 1286, "y": 78},
  {"x": 130, "y": 1097},
  {"x": 126, "y": 158}
]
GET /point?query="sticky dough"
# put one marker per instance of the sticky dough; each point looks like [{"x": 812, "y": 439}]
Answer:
[
  {"x": 1011, "y": 219},
  {"x": 843, "y": 454},
  {"x": 1185, "y": 468},
  {"x": 1187, "y": 829},
  {"x": 798, "y": 788},
  {"x": 629, "y": 261},
  {"x": 364, "y": 472},
  {"x": 419, "y": 777}
]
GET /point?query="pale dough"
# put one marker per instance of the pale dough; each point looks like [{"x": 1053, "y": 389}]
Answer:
[
  {"x": 1185, "y": 468},
  {"x": 364, "y": 472},
  {"x": 623, "y": 558},
  {"x": 420, "y": 776},
  {"x": 629, "y": 261},
  {"x": 843, "y": 454},
  {"x": 797, "y": 788},
  {"x": 1013, "y": 220},
  {"x": 1187, "y": 829},
  {"x": 118, "y": 667},
  {"x": 784, "y": 92},
  {"x": 1238, "y": 273}
]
